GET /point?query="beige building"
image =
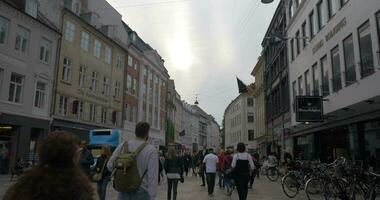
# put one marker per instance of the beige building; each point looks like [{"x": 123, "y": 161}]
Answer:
[
  {"x": 259, "y": 99},
  {"x": 89, "y": 78}
]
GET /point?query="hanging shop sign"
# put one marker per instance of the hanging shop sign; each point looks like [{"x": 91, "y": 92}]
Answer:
[{"x": 309, "y": 109}]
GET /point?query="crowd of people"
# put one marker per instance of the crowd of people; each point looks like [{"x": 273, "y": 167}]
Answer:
[{"x": 66, "y": 168}]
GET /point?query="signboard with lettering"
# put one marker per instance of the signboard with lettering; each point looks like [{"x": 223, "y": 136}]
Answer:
[{"x": 309, "y": 109}]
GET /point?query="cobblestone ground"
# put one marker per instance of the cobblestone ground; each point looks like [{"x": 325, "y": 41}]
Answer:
[{"x": 191, "y": 190}]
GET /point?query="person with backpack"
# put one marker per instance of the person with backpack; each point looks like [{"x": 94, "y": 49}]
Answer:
[
  {"x": 242, "y": 164},
  {"x": 134, "y": 164},
  {"x": 102, "y": 172},
  {"x": 174, "y": 167}
]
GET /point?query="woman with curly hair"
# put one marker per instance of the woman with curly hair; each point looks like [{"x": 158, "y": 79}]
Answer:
[{"x": 57, "y": 175}]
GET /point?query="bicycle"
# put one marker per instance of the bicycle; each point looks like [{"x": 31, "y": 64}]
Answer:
[{"x": 295, "y": 180}]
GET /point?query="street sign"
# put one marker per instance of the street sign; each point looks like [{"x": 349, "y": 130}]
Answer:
[{"x": 309, "y": 109}]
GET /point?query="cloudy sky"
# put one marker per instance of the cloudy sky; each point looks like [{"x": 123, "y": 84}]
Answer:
[{"x": 205, "y": 43}]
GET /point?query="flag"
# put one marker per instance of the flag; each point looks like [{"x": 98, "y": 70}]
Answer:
[{"x": 242, "y": 86}]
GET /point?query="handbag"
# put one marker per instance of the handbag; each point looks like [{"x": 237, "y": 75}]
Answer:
[
  {"x": 174, "y": 176},
  {"x": 99, "y": 175}
]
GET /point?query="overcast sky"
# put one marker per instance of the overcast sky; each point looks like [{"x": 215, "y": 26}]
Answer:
[{"x": 205, "y": 43}]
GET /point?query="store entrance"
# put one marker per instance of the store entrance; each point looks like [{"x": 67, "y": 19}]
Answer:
[
  {"x": 7, "y": 142},
  {"x": 333, "y": 143}
]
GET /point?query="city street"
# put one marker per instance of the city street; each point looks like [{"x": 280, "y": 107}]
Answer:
[{"x": 191, "y": 190}]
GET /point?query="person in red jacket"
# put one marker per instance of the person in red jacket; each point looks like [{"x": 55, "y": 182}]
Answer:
[{"x": 220, "y": 167}]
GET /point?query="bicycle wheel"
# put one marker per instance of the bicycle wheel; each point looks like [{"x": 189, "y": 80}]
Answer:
[
  {"x": 272, "y": 174},
  {"x": 313, "y": 189},
  {"x": 290, "y": 185},
  {"x": 357, "y": 192}
]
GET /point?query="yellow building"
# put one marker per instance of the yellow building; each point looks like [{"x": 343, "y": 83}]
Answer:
[
  {"x": 259, "y": 96},
  {"x": 89, "y": 78}
]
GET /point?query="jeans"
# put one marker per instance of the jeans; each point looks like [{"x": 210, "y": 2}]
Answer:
[
  {"x": 140, "y": 194},
  {"x": 172, "y": 185},
  {"x": 102, "y": 187},
  {"x": 221, "y": 180},
  {"x": 242, "y": 187},
  {"x": 210, "y": 182}
]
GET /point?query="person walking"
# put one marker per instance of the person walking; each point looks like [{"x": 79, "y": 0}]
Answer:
[
  {"x": 201, "y": 167},
  {"x": 242, "y": 164},
  {"x": 174, "y": 172},
  {"x": 161, "y": 161},
  {"x": 101, "y": 168},
  {"x": 210, "y": 162},
  {"x": 86, "y": 158},
  {"x": 146, "y": 162},
  {"x": 227, "y": 171},
  {"x": 186, "y": 163},
  {"x": 57, "y": 174},
  {"x": 219, "y": 168}
]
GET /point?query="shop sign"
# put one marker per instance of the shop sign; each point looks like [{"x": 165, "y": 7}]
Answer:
[
  {"x": 309, "y": 109},
  {"x": 337, "y": 28}
]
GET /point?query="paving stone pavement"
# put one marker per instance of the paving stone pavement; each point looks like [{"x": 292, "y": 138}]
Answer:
[{"x": 191, "y": 190}]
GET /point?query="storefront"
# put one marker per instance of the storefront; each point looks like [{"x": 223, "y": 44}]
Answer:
[
  {"x": 19, "y": 138},
  {"x": 358, "y": 141}
]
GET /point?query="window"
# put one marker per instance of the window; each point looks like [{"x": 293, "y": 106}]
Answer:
[
  {"x": 106, "y": 86},
  {"x": 349, "y": 60},
  {"x": 311, "y": 25},
  {"x": 70, "y": 31},
  {"x": 300, "y": 86},
  {"x": 304, "y": 36},
  {"x": 63, "y": 105},
  {"x": 126, "y": 113},
  {"x": 134, "y": 86},
  {"x": 343, "y": 2},
  {"x": 292, "y": 49},
  {"x": 97, "y": 47},
  {"x": 1, "y": 78},
  {"x": 117, "y": 90},
  {"x": 94, "y": 82},
  {"x": 322, "y": 14},
  {"x": 85, "y": 41},
  {"x": 45, "y": 50},
  {"x": 251, "y": 118},
  {"x": 298, "y": 42},
  {"x": 136, "y": 65},
  {"x": 82, "y": 75},
  {"x": 31, "y": 7},
  {"x": 335, "y": 65},
  {"x": 250, "y": 102},
  {"x": 316, "y": 78},
  {"x": 251, "y": 135},
  {"x": 80, "y": 110},
  {"x": 365, "y": 49},
  {"x": 108, "y": 55},
  {"x": 15, "y": 88},
  {"x": 129, "y": 83},
  {"x": 307, "y": 83},
  {"x": 39, "y": 98},
  {"x": 334, "y": 6},
  {"x": 119, "y": 62},
  {"x": 22, "y": 37},
  {"x": 325, "y": 77},
  {"x": 131, "y": 114},
  {"x": 294, "y": 88},
  {"x": 92, "y": 112},
  {"x": 291, "y": 9},
  {"x": 4, "y": 26},
  {"x": 377, "y": 20},
  {"x": 66, "y": 69},
  {"x": 130, "y": 61},
  {"x": 103, "y": 116}
]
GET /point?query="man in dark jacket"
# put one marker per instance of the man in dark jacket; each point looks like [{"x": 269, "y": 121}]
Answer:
[{"x": 86, "y": 158}]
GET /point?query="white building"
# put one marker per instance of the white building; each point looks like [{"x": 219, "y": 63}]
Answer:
[
  {"x": 340, "y": 61},
  {"x": 190, "y": 126},
  {"x": 27, "y": 65},
  {"x": 239, "y": 122}
]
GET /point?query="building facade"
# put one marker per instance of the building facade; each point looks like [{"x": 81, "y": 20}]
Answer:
[
  {"x": 89, "y": 80},
  {"x": 28, "y": 46},
  {"x": 261, "y": 136},
  {"x": 339, "y": 61},
  {"x": 190, "y": 127},
  {"x": 276, "y": 82},
  {"x": 239, "y": 122}
]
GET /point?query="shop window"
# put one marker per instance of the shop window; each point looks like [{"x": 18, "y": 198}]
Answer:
[{"x": 365, "y": 49}]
